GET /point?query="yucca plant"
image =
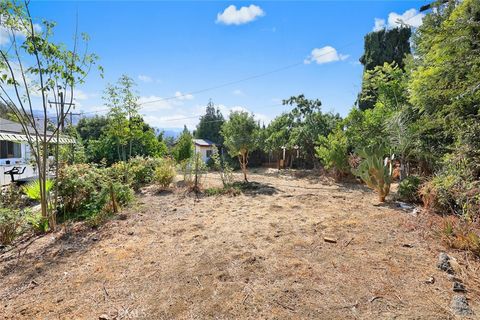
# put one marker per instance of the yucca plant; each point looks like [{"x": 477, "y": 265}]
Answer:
[{"x": 375, "y": 170}]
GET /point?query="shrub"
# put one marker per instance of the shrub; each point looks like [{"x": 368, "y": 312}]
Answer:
[
  {"x": 408, "y": 189},
  {"x": 460, "y": 234},
  {"x": 138, "y": 172},
  {"x": 451, "y": 194},
  {"x": 191, "y": 167},
  {"x": 87, "y": 189},
  {"x": 375, "y": 171},
  {"x": 12, "y": 197},
  {"x": 223, "y": 167},
  {"x": 11, "y": 222},
  {"x": 333, "y": 153},
  {"x": 37, "y": 222},
  {"x": 165, "y": 173}
]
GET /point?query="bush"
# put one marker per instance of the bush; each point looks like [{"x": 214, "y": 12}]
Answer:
[
  {"x": 223, "y": 167},
  {"x": 12, "y": 197},
  {"x": 11, "y": 222},
  {"x": 408, "y": 189},
  {"x": 461, "y": 234},
  {"x": 451, "y": 194},
  {"x": 333, "y": 153},
  {"x": 138, "y": 172},
  {"x": 191, "y": 167},
  {"x": 87, "y": 189},
  {"x": 165, "y": 173},
  {"x": 37, "y": 222}
]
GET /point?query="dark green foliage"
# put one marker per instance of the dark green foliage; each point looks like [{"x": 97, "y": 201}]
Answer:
[
  {"x": 100, "y": 144},
  {"x": 408, "y": 189},
  {"x": 384, "y": 46},
  {"x": 210, "y": 125}
]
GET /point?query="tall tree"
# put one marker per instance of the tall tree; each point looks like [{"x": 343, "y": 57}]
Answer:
[
  {"x": 210, "y": 124},
  {"x": 240, "y": 135},
  {"x": 384, "y": 46},
  {"x": 33, "y": 65},
  {"x": 122, "y": 125}
]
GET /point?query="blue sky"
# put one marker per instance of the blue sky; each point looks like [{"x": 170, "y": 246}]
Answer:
[{"x": 175, "y": 48}]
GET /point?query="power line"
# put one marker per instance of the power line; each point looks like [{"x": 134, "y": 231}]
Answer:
[{"x": 226, "y": 84}]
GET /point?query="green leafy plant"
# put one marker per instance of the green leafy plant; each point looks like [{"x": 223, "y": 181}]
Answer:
[
  {"x": 408, "y": 189},
  {"x": 11, "y": 222},
  {"x": 165, "y": 173},
  {"x": 375, "y": 170},
  {"x": 32, "y": 189},
  {"x": 38, "y": 222},
  {"x": 333, "y": 153},
  {"x": 225, "y": 170},
  {"x": 85, "y": 190}
]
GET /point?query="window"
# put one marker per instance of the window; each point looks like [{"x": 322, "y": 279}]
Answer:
[
  {"x": 209, "y": 153},
  {"x": 9, "y": 149}
]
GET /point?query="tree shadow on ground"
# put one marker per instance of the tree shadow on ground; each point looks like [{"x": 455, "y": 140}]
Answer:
[
  {"x": 253, "y": 188},
  {"x": 46, "y": 252}
]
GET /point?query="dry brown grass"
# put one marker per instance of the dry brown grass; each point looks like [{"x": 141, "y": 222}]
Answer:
[{"x": 251, "y": 256}]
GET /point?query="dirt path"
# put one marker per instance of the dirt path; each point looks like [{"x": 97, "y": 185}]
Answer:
[{"x": 256, "y": 256}]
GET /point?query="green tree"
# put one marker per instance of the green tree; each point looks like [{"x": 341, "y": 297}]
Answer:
[
  {"x": 210, "y": 124},
  {"x": 240, "y": 137},
  {"x": 183, "y": 149},
  {"x": 33, "y": 64},
  {"x": 123, "y": 125},
  {"x": 445, "y": 86},
  {"x": 308, "y": 123},
  {"x": 384, "y": 46},
  {"x": 333, "y": 152}
]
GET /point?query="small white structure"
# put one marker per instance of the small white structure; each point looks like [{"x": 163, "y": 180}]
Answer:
[
  {"x": 15, "y": 151},
  {"x": 205, "y": 147}
]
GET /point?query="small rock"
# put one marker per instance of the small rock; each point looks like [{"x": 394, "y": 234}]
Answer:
[
  {"x": 94, "y": 238},
  {"x": 130, "y": 233},
  {"x": 444, "y": 263},
  {"x": 407, "y": 245},
  {"x": 104, "y": 317},
  {"x": 430, "y": 280},
  {"x": 460, "y": 306},
  {"x": 458, "y": 287}
]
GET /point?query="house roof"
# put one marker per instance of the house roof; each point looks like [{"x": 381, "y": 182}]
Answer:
[
  {"x": 13, "y": 131},
  {"x": 203, "y": 142},
  {"x": 7, "y": 126}
]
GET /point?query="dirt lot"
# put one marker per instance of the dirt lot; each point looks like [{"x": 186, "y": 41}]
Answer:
[{"x": 255, "y": 256}]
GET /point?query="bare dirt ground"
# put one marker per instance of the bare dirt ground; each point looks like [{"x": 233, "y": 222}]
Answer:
[{"x": 254, "y": 256}]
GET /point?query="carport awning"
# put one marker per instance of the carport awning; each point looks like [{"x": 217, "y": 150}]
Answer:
[{"x": 23, "y": 138}]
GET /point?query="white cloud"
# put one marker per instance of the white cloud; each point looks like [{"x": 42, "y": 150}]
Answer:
[
  {"x": 145, "y": 78},
  {"x": 183, "y": 96},
  {"x": 232, "y": 15},
  {"x": 325, "y": 55},
  {"x": 411, "y": 18},
  {"x": 379, "y": 24}
]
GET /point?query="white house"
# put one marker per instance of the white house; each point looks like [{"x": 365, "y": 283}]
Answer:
[
  {"x": 205, "y": 147},
  {"x": 15, "y": 151}
]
